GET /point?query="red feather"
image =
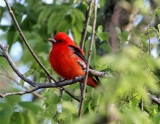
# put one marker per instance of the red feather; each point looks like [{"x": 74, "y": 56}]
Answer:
[{"x": 63, "y": 58}]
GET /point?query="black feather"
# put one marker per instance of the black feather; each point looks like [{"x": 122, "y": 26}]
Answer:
[{"x": 80, "y": 55}]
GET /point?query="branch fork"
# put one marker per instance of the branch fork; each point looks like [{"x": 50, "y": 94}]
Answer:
[
  {"x": 93, "y": 72},
  {"x": 36, "y": 85}
]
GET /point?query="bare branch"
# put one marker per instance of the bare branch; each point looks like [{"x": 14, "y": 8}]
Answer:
[
  {"x": 93, "y": 72},
  {"x": 86, "y": 26},
  {"x": 154, "y": 99},
  {"x": 18, "y": 83},
  {"x": 30, "y": 49},
  {"x": 88, "y": 60},
  {"x": 70, "y": 94},
  {"x": 141, "y": 104},
  {"x": 18, "y": 93},
  {"x": 33, "y": 83},
  {"x": 25, "y": 41},
  {"x": 6, "y": 55},
  {"x": 82, "y": 64}
]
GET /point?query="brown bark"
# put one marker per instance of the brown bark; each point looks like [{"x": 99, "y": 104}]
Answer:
[{"x": 118, "y": 14}]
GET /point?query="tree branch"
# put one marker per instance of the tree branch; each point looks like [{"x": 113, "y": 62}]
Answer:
[
  {"x": 141, "y": 104},
  {"x": 154, "y": 99},
  {"x": 18, "y": 93},
  {"x": 88, "y": 60},
  {"x": 86, "y": 26},
  {"x": 13, "y": 79},
  {"x": 36, "y": 85},
  {"x": 70, "y": 94},
  {"x": 93, "y": 72},
  {"x": 30, "y": 49},
  {"x": 33, "y": 83},
  {"x": 25, "y": 41},
  {"x": 6, "y": 55}
]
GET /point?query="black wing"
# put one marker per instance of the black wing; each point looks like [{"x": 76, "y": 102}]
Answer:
[{"x": 79, "y": 54}]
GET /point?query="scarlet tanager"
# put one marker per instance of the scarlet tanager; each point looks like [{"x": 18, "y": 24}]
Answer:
[{"x": 63, "y": 58}]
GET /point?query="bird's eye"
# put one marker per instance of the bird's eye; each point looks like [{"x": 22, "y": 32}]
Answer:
[{"x": 60, "y": 40}]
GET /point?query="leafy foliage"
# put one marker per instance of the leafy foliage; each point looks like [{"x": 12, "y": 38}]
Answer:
[{"x": 135, "y": 73}]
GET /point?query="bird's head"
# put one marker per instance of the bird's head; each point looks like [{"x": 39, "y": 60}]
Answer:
[{"x": 61, "y": 38}]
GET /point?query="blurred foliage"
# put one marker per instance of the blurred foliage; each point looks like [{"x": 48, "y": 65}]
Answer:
[{"x": 135, "y": 72}]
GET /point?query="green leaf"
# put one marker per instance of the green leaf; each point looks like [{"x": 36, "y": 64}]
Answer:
[
  {"x": 106, "y": 46},
  {"x": 103, "y": 36},
  {"x": 63, "y": 26},
  {"x": 56, "y": 18},
  {"x": 76, "y": 1},
  {"x": 78, "y": 13},
  {"x": 153, "y": 45},
  {"x": 52, "y": 99},
  {"x": 156, "y": 118},
  {"x": 154, "y": 112},
  {"x": 5, "y": 113},
  {"x": 93, "y": 57},
  {"x": 152, "y": 32},
  {"x": 79, "y": 25},
  {"x": 52, "y": 21},
  {"x": 22, "y": 82},
  {"x": 69, "y": 108},
  {"x": 30, "y": 118},
  {"x": 100, "y": 29},
  {"x": 62, "y": 116},
  {"x": 31, "y": 107},
  {"x": 89, "y": 29},
  {"x": 17, "y": 118},
  {"x": 123, "y": 36},
  {"x": 85, "y": 105},
  {"x": 73, "y": 16},
  {"x": 76, "y": 34},
  {"x": 69, "y": 111},
  {"x": 51, "y": 104},
  {"x": 13, "y": 99},
  {"x": 12, "y": 36},
  {"x": 44, "y": 14},
  {"x": 1, "y": 13},
  {"x": 29, "y": 72}
]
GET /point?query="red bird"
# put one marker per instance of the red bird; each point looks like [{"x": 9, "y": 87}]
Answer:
[{"x": 63, "y": 58}]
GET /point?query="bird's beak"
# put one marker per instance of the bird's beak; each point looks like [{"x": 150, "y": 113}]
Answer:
[{"x": 52, "y": 40}]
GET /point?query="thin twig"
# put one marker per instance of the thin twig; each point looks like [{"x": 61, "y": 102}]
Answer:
[
  {"x": 127, "y": 100},
  {"x": 141, "y": 104},
  {"x": 25, "y": 41},
  {"x": 33, "y": 83},
  {"x": 6, "y": 55},
  {"x": 30, "y": 49},
  {"x": 88, "y": 16},
  {"x": 18, "y": 83},
  {"x": 154, "y": 99},
  {"x": 149, "y": 39},
  {"x": 88, "y": 60},
  {"x": 36, "y": 85},
  {"x": 71, "y": 94},
  {"x": 45, "y": 85},
  {"x": 93, "y": 72},
  {"x": 18, "y": 93},
  {"x": 86, "y": 26}
]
